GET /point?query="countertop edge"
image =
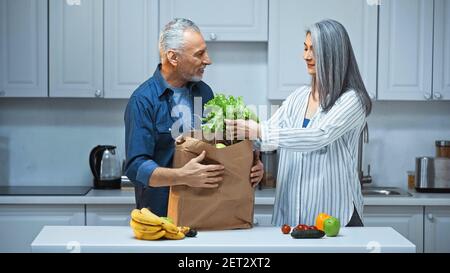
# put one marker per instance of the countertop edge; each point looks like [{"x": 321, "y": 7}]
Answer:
[{"x": 262, "y": 198}]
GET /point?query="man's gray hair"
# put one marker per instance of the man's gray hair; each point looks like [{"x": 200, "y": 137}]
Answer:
[
  {"x": 172, "y": 34},
  {"x": 336, "y": 68}
]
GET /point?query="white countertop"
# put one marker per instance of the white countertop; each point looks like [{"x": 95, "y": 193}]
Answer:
[
  {"x": 256, "y": 240},
  {"x": 262, "y": 197}
]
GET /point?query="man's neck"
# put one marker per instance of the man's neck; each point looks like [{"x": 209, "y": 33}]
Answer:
[{"x": 171, "y": 77}]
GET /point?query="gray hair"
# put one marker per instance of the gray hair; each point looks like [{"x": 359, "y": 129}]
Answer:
[
  {"x": 336, "y": 67},
  {"x": 172, "y": 34}
]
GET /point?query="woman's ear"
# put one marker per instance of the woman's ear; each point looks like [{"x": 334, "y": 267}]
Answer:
[{"x": 172, "y": 57}]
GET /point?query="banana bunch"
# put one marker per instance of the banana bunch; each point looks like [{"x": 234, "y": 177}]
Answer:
[{"x": 148, "y": 226}]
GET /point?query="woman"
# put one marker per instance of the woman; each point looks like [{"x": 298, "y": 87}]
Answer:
[{"x": 317, "y": 130}]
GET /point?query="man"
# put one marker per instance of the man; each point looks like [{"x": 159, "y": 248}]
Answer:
[{"x": 149, "y": 119}]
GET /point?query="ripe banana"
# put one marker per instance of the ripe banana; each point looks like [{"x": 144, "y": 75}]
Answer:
[
  {"x": 146, "y": 218},
  {"x": 184, "y": 229},
  {"x": 180, "y": 235},
  {"x": 144, "y": 228},
  {"x": 166, "y": 225},
  {"x": 149, "y": 236}
]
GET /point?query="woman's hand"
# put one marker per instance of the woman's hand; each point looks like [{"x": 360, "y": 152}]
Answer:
[{"x": 242, "y": 129}]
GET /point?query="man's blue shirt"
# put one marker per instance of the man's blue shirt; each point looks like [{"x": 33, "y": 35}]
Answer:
[{"x": 148, "y": 139}]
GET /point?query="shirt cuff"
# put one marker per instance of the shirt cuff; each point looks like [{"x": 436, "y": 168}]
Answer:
[{"x": 145, "y": 171}]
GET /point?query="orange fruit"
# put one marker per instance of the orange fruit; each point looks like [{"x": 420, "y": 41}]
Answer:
[{"x": 320, "y": 219}]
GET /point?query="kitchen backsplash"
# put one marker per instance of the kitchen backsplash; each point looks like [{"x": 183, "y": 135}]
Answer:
[{"x": 47, "y": 141}]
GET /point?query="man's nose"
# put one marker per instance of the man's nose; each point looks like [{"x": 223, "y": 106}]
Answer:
[{"x": 207, "y": 60}]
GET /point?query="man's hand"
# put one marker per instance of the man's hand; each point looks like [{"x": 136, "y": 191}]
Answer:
[
  {"x": 197, "y": 175},
  {"x": 257, "y": 171},
  {"x": 242, "y": 129}
]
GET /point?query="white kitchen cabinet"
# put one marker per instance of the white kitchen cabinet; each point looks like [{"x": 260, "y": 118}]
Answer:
[
  {"x": 437, "y": 229},
  {"x": 288, "y": 21},
  {"x": 23, "y": 48},
  {"x": 441, "y": 58},
  {"x": 232, "y": 20},
  {"x": 20, "y": 224},
  {"x": 405, "y": 50},
  {"x": 131, "y": 45},
  {"x": 108, "y": 215},
  {"x": 76, "y": 48},
  {"x": 263, "y": 215},
  {"x": 407, "y": 220}
]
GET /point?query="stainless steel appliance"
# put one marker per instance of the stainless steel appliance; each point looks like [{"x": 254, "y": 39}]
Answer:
[
  {"x": 432, "y": 174},
  {"x": 106, "y": 167}
]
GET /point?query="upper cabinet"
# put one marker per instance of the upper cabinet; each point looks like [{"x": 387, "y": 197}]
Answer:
[
  {"x": 131, "y": 45},
  {"x": 414, "y": 50},
  {"x": 76, "y": 48},
  {"x": 288, "y": 20},
  {"x": 441, "y": 59},
  {"x": 102, "y": 49},
  {"x": 232, "y": 20},
  {"x": 23, "y": 48},
  {"x": 405, "y": 50}
]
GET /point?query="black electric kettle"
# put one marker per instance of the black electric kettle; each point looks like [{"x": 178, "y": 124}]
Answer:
[{"x": 105, "y": 166}]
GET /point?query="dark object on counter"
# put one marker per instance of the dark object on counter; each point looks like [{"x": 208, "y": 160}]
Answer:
[
  {"x": 443, "y": 148},
  {"x": 270, "y": 162},
  {"x": 432, "y": 175},
  {"x": 307, "y": 234},
  {"x": 105, "y": 166},
  {"x": 191, "y": 233},
  {"x": 43, "y": 191}
]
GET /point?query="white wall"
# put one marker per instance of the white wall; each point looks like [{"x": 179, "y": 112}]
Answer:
[
  {"x": 47, "y": 141},
  {"x": 401, "y": 131}
]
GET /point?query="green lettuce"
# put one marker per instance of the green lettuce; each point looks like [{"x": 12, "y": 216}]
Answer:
[{"x": 222, "y": 107}]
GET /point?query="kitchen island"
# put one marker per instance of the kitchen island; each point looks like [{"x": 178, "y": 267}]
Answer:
[{"x": 256, "y": 240}]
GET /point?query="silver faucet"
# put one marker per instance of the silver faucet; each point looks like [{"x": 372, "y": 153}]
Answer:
[{"x": 364, "y": 138}]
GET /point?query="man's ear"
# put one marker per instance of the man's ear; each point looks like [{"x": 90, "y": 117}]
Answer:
[{"x": 172, "y": 57}]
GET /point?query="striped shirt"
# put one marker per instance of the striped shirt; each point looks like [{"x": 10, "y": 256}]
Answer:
[{"x": 317, "y": 170}]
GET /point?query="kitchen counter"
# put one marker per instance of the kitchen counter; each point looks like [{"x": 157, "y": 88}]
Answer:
[
  {"x": 256, "y": 240},
  {"x": 262, "y": 197}
]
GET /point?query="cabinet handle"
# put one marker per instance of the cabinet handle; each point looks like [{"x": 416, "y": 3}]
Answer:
[
  {"x": 430, "y": 216},
  {"x": 437, "y": 95},
  {"x": 98, "y": 93},
  {"x": 2, "y": 93},
  {"x": 427, "y": 96},
  {"x": 213, "y": 36}
]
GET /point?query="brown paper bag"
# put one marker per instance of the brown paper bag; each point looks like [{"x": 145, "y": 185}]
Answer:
[{"x": 230, "y": 206}]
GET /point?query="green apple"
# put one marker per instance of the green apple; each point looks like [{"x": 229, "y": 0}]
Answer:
[
  {"x": 220, "y": 145},
  {"x": 331, "y": 226}
]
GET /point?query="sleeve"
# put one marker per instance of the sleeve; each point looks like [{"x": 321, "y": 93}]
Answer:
[
  {"x": 139, "y": 143},
  {"x": 346, "y": 114}
]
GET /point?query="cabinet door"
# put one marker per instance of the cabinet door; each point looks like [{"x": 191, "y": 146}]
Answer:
[
  {"x": 108, "y": 215},
  {"x": 232, "y": 20},
  {"x": 131, "y": 45},
  {"x": 23, "y": 48},
  {"x": 76, "y": 48},
  {"x": 405, "y": 50},
  {"x": 406, "y": 220},
  {"x": 288, "y": 20},
  {"x": 437, "y": 227},
  {"x": 263, "y": 215},
  {"x": 441, "y": 67},
  {"x": 20, "y": 224}
]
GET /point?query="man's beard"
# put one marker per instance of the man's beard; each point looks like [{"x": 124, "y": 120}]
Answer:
[{"x": 196, "y": 78}]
